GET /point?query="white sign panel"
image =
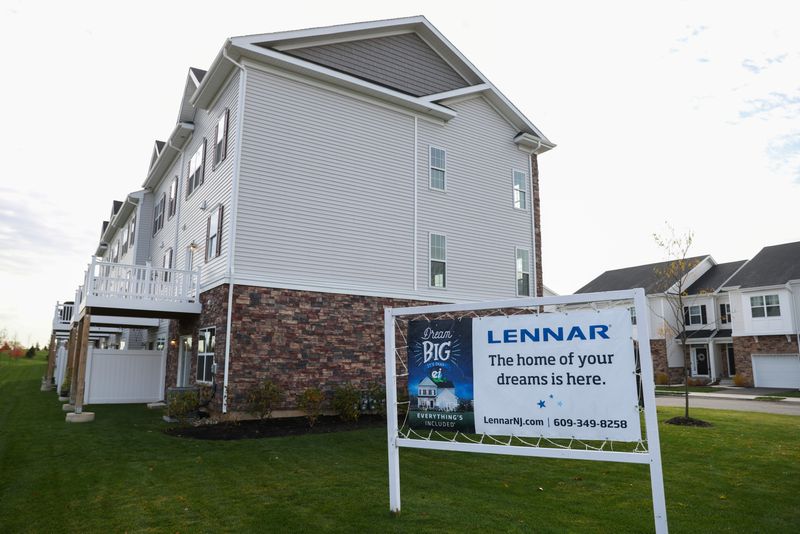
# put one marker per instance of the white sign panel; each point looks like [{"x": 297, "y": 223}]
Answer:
[{"x": 556, "y": 375}]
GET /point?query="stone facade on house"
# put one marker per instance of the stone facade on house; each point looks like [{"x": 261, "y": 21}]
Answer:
[
  {"x": 745, "y": 346},
  {"x": 658, "y": 351}
]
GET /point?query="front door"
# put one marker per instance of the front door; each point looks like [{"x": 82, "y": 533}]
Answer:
[
  {"x": 731, "y": 360},
  {"x": 701, "y": 363},
  {"x": 184, "y": 361}
]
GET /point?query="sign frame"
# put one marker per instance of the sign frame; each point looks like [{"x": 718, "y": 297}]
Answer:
[{"x": 651, "y": 457}]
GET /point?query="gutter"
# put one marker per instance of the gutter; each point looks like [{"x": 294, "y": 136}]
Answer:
[{"x": 234, "y": 206}]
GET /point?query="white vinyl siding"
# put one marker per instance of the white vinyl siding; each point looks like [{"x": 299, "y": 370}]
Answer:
[{"x": 312, "y": 213}]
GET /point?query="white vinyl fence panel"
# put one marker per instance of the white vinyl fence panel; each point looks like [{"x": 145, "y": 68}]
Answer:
[
  {"x": 124, "y": 376},
  {"x": 61, "y": 366}
]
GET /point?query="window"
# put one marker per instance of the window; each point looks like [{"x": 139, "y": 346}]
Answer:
[
  {"x": 221, "y": 139},
  {"x": 438, "y": 257},
  {"x": 166, "y": 263},
  {"x": 158, "y": 214},
  {"x": 197, "y": 165},
  {"x": 724, "y": 313},
  {"x": 520, "y": 190},
  {"x": 214, "y": 234},
  {"x": 125, "y": 240},
  {"x": 205, "y": 354},
  {"x": 438, "y": 168},
  {"x": 694, "y": 315},
  {"x": 132, "y": 229},
  {"x": 765, "y": 306},
  {"x": 173, "y": 198},
  {"x": 523, "y": 272},
  {"x": 115, "y": 252},
  {"x": 632, "y": 309}
]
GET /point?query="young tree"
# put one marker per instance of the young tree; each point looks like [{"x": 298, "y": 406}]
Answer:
[{"x": 673, "y": 275}]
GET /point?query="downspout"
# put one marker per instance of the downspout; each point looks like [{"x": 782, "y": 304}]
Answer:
[
  {"x": 416, "y": 141},
  {"x": 234, "y": 206}
]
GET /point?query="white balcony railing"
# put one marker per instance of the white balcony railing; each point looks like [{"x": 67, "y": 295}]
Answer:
[
  {"x": 62, "y": 318},
  {"x": 140, "y": 287}
]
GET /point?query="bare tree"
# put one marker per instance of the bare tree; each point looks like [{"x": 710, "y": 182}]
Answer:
[{"x": 673, "y": 277}]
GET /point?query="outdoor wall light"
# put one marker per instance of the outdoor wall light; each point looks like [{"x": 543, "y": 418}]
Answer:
[{"x": 173, "y": 342}]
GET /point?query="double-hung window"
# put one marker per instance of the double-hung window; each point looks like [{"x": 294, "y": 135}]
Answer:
[
  {"x": 221, "y": 139},
  {"x": 632, "y": 309},
  {"x": 173, "y": 198},
  {"x": 115, "y": 252},
  {"x": 523, "y": 272},
  {"x": 438, "y": 260},
  {"x": 725, "y": 313},
  {"x": 166, "y": 263},
  {"x": 765, "y": 306},
  {"x": 214, "y": 234},
  {"x": 197, "y": 164},
  {"x": 132, "y": 229},
  {"x": 520, "y": 180},
  {"x": 205, "y": 354},
  {"x": 158, "y": 214},
  {"x": 438, "y": 168},
  {"x": 694, "y": 315},
  {"x": 125, "y": 233}
]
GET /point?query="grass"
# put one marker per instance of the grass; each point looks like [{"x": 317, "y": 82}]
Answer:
[
  {"x": 692, "y": 389},
  {"x": 121, "y": 473},
  {"x": 790, "y": 393}
]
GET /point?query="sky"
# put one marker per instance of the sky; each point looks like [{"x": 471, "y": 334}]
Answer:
[{"x": 674, "y": 112}]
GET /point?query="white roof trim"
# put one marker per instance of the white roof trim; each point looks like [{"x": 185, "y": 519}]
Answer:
[{"x": 456, "y": 93}]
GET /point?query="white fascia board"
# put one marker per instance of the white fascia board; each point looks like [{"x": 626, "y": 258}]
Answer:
[
  {"x": 179, "y": 136},
  {"x": 447, "y": 96},
  {"x": 312, "y": 70}
]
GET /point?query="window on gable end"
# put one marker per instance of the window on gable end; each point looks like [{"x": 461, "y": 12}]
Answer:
[
  {"x": 438, "y": 260},
  {"x": 214, "y": 234},
  {"x": 132, "y": 229},
  {"x": 438, "y": 168},
  {"x": 520, "y": 180},
  {"x": 173, "y": 198},
  {"x": 523, "y": 272},
  {"x": 221, "y": 139},
  {"x": 197, "y": 164}
]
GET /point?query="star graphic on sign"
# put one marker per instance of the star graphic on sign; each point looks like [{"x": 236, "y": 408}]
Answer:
[
  {"x": 541, "y": 404},
  {"x": 560, "y": 403},
  {"x": 551, "y": 395}
]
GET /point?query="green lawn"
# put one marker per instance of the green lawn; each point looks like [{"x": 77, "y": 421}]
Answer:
[
  {"x": 692, "y": 389},
  {"x": 122, "y": 474}
]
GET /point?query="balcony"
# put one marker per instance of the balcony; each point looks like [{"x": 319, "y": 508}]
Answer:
[
  {"x": 119, "y": 290},
  {"x": 62, "y": 318}
]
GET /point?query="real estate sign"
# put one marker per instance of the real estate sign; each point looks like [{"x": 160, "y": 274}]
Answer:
[{"x": 553, "y": 375}]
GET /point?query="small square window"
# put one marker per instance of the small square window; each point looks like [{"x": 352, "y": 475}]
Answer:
[
  {"x": 221, "y": 139},
  {"x": 523, "y": 272},
  {"x": 214, "y": 234},
  {"x": 520, "y": 190},
  {"x": 438, "y": 260}
]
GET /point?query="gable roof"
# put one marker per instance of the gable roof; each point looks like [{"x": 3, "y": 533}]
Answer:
[
  {"x": 714, "y": 278},
  {"x": 644, "y": 276},
  {"x": 372, "y": 58},
  {"x": 403, "y": 62},
  {"x": 774, "y": 265}
]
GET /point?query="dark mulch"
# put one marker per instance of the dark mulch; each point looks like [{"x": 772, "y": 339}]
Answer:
[
  {"x": 270, "y": 428},
  {"x": 687, "y": 421}
]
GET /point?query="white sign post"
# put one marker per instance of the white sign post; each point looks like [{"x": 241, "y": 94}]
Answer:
[{"x": 542, "y": 376}]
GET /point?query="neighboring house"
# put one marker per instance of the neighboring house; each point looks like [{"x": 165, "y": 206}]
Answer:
[
  {"x": 740, "y": 317},
  {"x": 312, "y": 178}
]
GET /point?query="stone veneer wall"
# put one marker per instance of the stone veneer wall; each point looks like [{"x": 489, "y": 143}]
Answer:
[
  {"x": 658, "y": 350},
  {"x": 537, "y": 226},
  {"x": 745, "y": 346}
]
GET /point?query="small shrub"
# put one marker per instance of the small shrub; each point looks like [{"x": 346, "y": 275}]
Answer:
[
  {"x": 311, "y": 403},
  {"x": 740, "y": 380},
  {"x": 183, "y": 404},
  {"x": 66, "y": 383},
  {"x": 346, "y": 401},
  {"x": 31, "y": 353},
  {"x": 17, "y": 352},
  {"x": 263, "y": 398},
  {"x": 698, "y": 381},
  {"x": 662, "y": 379},
  {"x": 377, "y": 399}
]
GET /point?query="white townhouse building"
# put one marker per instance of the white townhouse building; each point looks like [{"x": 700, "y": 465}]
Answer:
[
  {"x": 312, "y": 178},
  {"x": 741, "y": 318}
]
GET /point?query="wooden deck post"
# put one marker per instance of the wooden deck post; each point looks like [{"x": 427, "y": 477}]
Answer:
[
  {"x": 80, "y": 383},
  {"x": 71, "y": 350},
  {"x": 47, "y": 383}
]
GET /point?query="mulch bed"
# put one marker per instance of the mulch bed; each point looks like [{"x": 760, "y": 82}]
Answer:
[
  {"x": 687, "y": 421},
  {"x": 270, "y": 428}
]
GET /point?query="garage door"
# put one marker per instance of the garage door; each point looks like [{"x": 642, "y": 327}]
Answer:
[
  {"x": 124, "y": 376},
  {"x": 776, "y": 370}
]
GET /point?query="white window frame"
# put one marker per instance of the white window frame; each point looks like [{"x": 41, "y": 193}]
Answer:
[
  {"x": 132, "y": 230},
  {"x": 203, "y": 356},
  {"x": 172, "y": 203},
  {"x": 115, "y": 252},
  {"x": 158, "y": 214},
  {"x": 166, "y": 262},
  {"x": 632, "y": 309},
  {"x": 125, "y": 238},
  {"x": 196, "y": 172},
  {"x": 519, "y": 272},
  {"x": 213, "y": 240},
  {"x": 519, "y": 195},
  {"x": 221, "y": 141},
  {"x": 725, "y": 313},
  {"x": 764, "y": 307},
  {"x": 431, "y": 260},
  {"x": 432, "y": 167}
]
